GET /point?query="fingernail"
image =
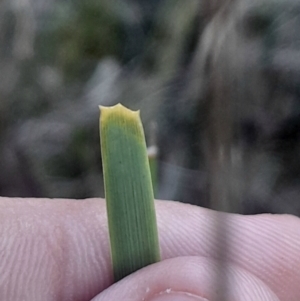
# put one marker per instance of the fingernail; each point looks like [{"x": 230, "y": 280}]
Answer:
[{"x": 176, "y": 296}]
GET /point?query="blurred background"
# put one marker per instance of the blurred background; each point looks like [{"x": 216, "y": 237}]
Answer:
[{"x": 217, "y": 83}]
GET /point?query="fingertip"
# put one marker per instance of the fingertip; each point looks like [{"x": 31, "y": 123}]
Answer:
[{"x": 188, "y": 279}]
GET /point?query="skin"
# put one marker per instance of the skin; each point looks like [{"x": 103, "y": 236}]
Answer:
[{"x": 58, "y": 250}]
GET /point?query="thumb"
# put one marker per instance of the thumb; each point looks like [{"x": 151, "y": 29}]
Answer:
[{"x": 188, "y": 279}]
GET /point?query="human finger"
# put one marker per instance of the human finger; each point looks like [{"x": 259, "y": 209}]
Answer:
[
  {"x": 188, "y": 279},
  {"x": 58, "y": 249}
]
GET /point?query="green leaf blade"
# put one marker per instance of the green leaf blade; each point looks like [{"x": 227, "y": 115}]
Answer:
[{"x": 128, "y": 191}]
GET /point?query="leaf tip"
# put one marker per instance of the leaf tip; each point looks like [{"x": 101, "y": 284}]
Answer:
[{"x": 118, "y": 110}]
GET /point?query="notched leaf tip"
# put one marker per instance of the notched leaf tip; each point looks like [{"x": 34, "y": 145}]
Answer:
[{"x": 118, "y": 111}]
